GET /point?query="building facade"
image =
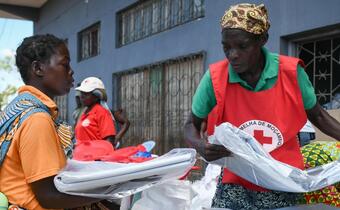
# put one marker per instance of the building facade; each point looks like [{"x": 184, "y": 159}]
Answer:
[{"x": 151, "y": 54}]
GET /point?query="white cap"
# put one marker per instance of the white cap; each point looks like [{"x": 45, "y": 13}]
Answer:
[{"x": 90, "y": 84}]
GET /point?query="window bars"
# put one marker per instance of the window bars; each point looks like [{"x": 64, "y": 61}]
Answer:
[
  {"x": 153, "y": 16},
  {"x": 89, "y": 42},
  {"x": 157, "y": 100},
  {"x": 322, "y": 60},
  {"x": 61, "y": 102}
]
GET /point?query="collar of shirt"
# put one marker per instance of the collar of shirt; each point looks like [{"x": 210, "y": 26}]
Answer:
[
  {"x": 51, "y": 105},
  {"x": 270, "y": 71}
]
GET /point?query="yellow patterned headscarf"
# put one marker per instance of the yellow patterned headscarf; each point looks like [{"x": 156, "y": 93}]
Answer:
[{"x": 248, "y": 17}]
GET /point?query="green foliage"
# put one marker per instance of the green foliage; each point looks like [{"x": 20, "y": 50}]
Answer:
[
  {"x": 9, "y": 90},
  {"x": 6, "y": 65}
]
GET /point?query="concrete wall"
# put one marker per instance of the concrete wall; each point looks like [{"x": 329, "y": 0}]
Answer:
[{"x": 65, "y": 18}]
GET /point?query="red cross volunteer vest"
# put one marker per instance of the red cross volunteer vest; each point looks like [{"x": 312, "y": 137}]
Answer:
[{"x": 273, "y": 116}]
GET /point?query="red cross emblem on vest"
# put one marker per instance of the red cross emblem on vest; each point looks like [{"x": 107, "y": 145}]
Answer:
[{"x": 258, "y": 134}]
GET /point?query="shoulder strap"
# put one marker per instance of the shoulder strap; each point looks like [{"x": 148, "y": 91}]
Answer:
[
  {"x": 15, "y": 113},
  {"x": 290, "y": 63},
  {"x": 219, "y": 79}
]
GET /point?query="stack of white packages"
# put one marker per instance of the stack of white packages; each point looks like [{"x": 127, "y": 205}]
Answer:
[
  {"x": 108, "y": 180},
  {"x": 251, "y": 162}
]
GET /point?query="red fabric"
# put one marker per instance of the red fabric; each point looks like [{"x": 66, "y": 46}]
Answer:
[
  {"x": 92, "y": 150},
  {"x": 274, "y": 116},
  {"x": 97, "y": 124}
]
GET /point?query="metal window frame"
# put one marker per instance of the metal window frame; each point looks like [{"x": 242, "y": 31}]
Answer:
[
  {"x": 290, "y": 43},
  {"x": 89, "y": 30},
  {"x": 116, "y": 103},
  {"x": 62, "y": 103},
  {"x": 139, "y": 6}
]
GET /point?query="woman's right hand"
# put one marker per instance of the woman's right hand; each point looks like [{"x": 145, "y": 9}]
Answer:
[
  {"x": 195, "y": 135},
  {"x": 211, "y": 152}
]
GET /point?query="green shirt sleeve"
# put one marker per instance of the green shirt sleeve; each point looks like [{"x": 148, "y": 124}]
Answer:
[
  {"x": 204, "y": 98},
  {"x": 307, "y": 89}
]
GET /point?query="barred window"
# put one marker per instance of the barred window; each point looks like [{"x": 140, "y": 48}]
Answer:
[
  {"x": 88, "y": 42},
  {"x": 157, "y": 100},
  {"x": 322, "y": 60},
  {"x": 61, "y": 102},
  {"x": 146, "y": 18}
]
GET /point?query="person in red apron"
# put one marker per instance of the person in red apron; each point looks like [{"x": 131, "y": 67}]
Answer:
[
  {"x": 96, "y": 122},
  {"x": 265, "y": 94}
]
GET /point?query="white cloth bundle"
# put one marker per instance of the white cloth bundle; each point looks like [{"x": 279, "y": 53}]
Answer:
[
  {"x": 181, "y": 194},
  {"x": 251, "y": 162},
  {"x": 175, "y": 194},
  {"x": 108, "y": 180}
]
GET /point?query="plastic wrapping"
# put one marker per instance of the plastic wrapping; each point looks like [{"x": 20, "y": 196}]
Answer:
[
  {"x": 181, "y": 194},
  {"x": 205, "y": 188},
  {"x": 175, "y": 194},
  {"x": 251, "y": 162},
  {"x": 108, "y": 180}
]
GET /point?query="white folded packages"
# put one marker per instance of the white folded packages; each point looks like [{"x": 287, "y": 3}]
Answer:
[
  {"x": 109, "y": 180},
  {"x": 251, "y": 162}
]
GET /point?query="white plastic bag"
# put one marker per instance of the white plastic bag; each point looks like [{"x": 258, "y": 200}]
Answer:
[
  {"x": 109, "y": 180},
  {"x": 251, "y": 162},
  {"x": 175, "y": 194},
  {"x": 204, "y": 189},
  {"x": 181, "y": 194}
]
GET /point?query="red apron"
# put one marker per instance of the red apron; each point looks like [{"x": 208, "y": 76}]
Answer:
[{"x": 273, "y": 116}]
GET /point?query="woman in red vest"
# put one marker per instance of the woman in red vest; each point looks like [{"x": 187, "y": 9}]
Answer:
[
  {"x": 96, "y": 122},
  {"x": 254, "y": 85}
]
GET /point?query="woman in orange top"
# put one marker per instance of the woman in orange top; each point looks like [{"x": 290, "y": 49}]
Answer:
[{"x": 35, "y": 155}]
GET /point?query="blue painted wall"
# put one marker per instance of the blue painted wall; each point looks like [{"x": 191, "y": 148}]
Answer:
[{"x": 65, "y": 18}]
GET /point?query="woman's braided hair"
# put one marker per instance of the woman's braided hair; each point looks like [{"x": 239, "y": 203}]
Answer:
[{"x": 35, "y": 48}]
